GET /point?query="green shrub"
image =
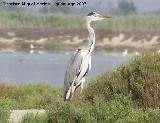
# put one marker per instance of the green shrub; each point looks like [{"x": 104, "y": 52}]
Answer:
[
  {"x": 63, "y": 112},
  {"x": 141, "y": 78},
  {"x": 128, "y": 94},
  {"x": 141, "y": 116},
  {"x": 121, "y": 109}
]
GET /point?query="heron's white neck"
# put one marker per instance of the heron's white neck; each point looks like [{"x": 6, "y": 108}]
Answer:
[{"x": 91, "y": 36}]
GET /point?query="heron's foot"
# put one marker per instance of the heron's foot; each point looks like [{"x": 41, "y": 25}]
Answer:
[{"x": 82, "y": 85}]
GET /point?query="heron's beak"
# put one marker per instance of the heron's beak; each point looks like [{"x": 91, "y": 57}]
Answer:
[{"x": 105, "y": 17}]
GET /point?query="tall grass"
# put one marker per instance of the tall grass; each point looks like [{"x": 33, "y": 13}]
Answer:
[
  {"x": 26, "y": 19},
  {"x": 30, "y": 118},
  {"x": 132, "y": 22},
  {"x": 119, "y": 23},
  {"x": 5, "y": 107},
  {"x": 29, "y": 96}
]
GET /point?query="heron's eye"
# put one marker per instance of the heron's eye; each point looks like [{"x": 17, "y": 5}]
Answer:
[{"x": 95, "y": 15}]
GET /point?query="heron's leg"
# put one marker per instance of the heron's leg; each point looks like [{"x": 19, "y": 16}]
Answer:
[
  {"x": 82, "y": 82},
  {"x": 73, "y": 89},
  {"x": 81, "y": 88}
]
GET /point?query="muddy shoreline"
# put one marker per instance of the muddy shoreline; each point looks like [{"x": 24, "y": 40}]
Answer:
[{"x": 67, "y": 40}]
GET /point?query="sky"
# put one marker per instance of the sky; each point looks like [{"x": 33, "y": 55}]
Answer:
[
  {"x": 142, "y": 5},
  {"x": 147, "y": 5}
]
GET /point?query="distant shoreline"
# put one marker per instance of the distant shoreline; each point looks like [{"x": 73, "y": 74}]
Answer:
[{"x": 52, "y": 40}]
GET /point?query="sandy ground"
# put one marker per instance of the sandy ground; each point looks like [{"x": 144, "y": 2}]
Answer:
[{"x": 17, "y": 115}]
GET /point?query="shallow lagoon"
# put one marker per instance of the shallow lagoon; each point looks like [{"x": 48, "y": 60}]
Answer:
[{"x": 22, "y": 68}]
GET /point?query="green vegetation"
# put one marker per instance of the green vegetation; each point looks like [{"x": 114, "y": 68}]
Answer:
[
  {"x": 26, "y": 19},
  {"x": 120, "y": 109},
  {"x": 129, "y": 94},
  {"x": 29, "y": 96},
  {"x": 119, "y": 23},
  {"x": 30, "y": 118},
  {"x": 5, "y": 106},
  {"x": 140, "y": 78}
]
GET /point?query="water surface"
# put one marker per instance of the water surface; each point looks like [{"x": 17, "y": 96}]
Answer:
[{"x": 22, "y": 68}]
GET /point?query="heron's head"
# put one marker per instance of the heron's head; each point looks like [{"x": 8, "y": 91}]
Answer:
[{"x": 93, "y": 16}]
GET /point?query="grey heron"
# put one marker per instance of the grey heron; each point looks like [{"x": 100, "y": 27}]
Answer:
[{"x": 80, "y": 61}]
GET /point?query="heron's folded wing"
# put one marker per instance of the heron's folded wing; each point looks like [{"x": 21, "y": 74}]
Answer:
[{"x": 73, "y": 67}]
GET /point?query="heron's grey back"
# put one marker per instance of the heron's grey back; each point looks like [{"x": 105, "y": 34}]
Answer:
[{"x": 73, "y": 67}]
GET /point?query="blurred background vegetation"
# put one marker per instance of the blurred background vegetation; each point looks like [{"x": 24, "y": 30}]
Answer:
[
  {"x": 128, "y": 16},
  {"x": 134, "y": 22}
]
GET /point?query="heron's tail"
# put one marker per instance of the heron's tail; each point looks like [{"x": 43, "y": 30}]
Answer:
[{"x": 69, "y": 93}]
